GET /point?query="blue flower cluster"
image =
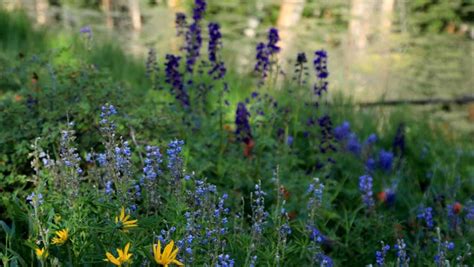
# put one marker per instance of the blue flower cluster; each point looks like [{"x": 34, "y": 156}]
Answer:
[
  {"x": 175, "y": 161},
  {"x": 365, "y": 186},
  {"x": 107, "y": 125},
  {"x": 426, "y": 214},
  {"x": 152, "y": 162},
  {"x": 35, "y": 199},
  {"x": 259, "y": 215},
  {"x": 402, "y": 257},
  {"x": 380, "y": 254}
]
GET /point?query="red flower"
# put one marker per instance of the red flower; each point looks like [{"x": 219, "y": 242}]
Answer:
[
  {"x": 457, "y": 207},
  {"x": 248, "y": 148}
]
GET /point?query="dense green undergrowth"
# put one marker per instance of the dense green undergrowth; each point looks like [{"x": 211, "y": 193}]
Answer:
[{"x": 84, "y": 160}]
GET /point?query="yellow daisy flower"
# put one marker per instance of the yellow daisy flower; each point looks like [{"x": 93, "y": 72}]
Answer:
[
  {"x": 41, "y": 253},
  {"x": 123, "y": 221},
  {"x": 61, "y": 237},
  {"x": 123, "y": 256},
  {"x": 168, "y": 256}
]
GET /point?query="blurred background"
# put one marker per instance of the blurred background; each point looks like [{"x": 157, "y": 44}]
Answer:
[{"x": 379, "y": 50}]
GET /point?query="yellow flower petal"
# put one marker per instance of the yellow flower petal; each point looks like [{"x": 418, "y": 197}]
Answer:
[
  {"x": 177, "y": 262},
  {"x": 168, "y": 248}
]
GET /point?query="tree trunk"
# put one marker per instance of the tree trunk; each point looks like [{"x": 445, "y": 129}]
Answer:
[
  {"x": 289, "y": 16},
  {"x": 174, "y": 4},
  {"x": 107, "y": 9},
  {"x": 135, "y": 15},
  {"x": 42, "y": 11}
]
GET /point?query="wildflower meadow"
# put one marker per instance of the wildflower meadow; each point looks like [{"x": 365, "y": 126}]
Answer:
[{"x": 180, "y": 160}]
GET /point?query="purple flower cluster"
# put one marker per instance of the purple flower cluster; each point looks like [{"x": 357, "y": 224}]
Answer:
[
  {"x": 326, "y": 144},
  {"x": 180, "y": 24},
  {"x": 301, "y": 70},
  {"x": 175, "y": 79},
  {"x": 365, "y": 186},
  {"x": 243, "y": 131},
  {"x": 265, "y": 54},
  {"x": 321, "y": 69},
  {"x": 218, "y": 69},
  {"x": 193, "y": 35},
  {"x": 151, "y": 65}
]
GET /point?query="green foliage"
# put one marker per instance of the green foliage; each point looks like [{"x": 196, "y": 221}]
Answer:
[
  {"x": 429, "y": 16},
  {"x": 41, "y": 95}
]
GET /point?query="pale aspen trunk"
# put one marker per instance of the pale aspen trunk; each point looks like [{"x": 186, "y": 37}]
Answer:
[
  {"x": 135, "y": 15},
  {"x": 386, "y": 16},
  {"x": 174, "y": 4},
  {"x": 107, "y": 9},
  {"x": 359, "y": 25},
  {"x": 289, "y": 17},
  {"x": 41, "y": 11}
]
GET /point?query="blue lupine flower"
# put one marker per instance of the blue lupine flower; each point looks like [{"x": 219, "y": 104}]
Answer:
[
  {"x": 371, "y": 139},
  {"x": 370, "y": 164},
  {"x": 289, "y": 140},
  {"x": 380, "y": 255},
  {"x": 470, "y": 212},
  {"x": 175, "y": 162},
  {"x": 107, "y": 125},
  {"x": 259, "y": 215},
  {"x": 427, "y": 215},
  {"x": 32, "y": 198},
  {"x": 102, "y": 159},
  {"x": 365, "y": 186},
  {"x": 108, "y": 188},
  {"x": 324, "y": 260},
  {"x": 385, "y": 160},
  {"x": 402, "y": 256},
  {"x": 315, "y": 191},
  {"x": 315, "y": 235},
  {"x": 224, "y": 261},
  {"x": 353, "y": 144},
  {"x": 152, "y": 161},
  {"x": 342, "y": 131}
]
